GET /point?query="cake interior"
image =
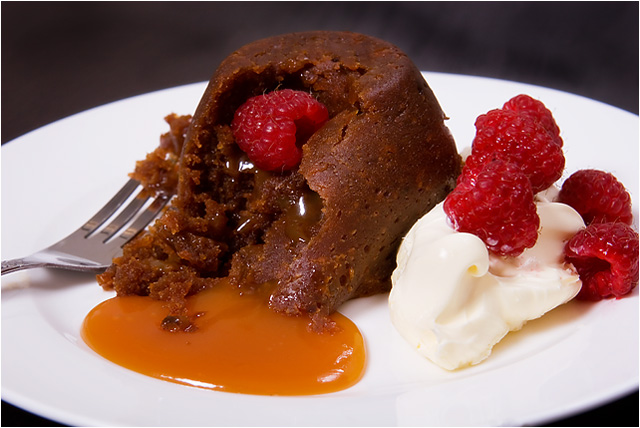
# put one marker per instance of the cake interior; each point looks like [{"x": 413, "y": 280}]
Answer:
[{"x": 218, "y": 227}]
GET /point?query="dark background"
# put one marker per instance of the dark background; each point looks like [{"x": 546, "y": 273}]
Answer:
[{"x": 62, "y": 58}]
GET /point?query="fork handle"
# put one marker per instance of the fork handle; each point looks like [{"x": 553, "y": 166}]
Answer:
[
  {"x": 51, "y": 259},
  {"x": 15, "y": 265}
]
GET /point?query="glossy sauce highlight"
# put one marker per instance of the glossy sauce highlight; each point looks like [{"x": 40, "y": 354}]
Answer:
[{"x": 238, "y": 345}]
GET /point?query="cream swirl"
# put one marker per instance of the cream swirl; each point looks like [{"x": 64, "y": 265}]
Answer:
[{"x": 453, "y": 300}]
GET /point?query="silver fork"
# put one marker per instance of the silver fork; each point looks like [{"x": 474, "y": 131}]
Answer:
[{"x": 89, "y": 249}]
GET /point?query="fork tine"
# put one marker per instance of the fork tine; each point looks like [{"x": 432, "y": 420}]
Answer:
[
  {"x": 111, "y": 207},
  {"x": 141, "y": 221},
  {"x": 146, "y": 217},
  {"x": 127, "y": 214}
]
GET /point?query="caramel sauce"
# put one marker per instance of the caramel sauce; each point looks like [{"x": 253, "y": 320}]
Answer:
[
  {"x": 235, "y": 344},
  {"x": 233, "y": 341},
  {"x": 302, "y": 216}
]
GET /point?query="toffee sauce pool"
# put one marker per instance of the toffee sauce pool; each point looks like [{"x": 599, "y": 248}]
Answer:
[{"x": 239, "y": 345}]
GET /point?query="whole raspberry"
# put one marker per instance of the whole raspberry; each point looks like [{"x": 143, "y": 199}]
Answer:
[
  {"x": 522, "y": 140},
  {"x": 606, "y": 258},
  {"x": 536, "y": 109},
  {"x": 496, "y": 204},
  {"x": 272, "y": 128},
  {"x": 598, "y": 196}
]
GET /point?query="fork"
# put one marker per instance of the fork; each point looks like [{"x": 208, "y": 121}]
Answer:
[{"x": 90, "y": 248}]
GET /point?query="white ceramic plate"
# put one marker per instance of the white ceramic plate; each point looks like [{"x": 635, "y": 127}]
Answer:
[{"x": 54, "y": 178}]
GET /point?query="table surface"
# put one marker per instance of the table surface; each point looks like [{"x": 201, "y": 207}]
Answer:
[{"x": 59, "y": 59}]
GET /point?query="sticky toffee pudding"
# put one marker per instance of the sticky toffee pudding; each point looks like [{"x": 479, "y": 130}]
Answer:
[{"x": 308, "y": 238}]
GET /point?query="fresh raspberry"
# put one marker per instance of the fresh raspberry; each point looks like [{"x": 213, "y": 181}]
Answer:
[
  {"x": 272, "y": 128},
  {"x": 496, "y": 204},
  {"x": 520, "y": 139},
  {"x": 474, "y": 164},
  {"x": 536, "y": 109},
  {"x": 598, "y": 196},
  {"x": 606, "y": 258}
]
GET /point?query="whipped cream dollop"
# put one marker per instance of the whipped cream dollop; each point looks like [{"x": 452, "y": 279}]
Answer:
[{"x": 453, "y": 300}]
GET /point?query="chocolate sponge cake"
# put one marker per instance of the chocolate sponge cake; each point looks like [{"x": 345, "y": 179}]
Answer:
[{"x": 311, "y": 237}]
